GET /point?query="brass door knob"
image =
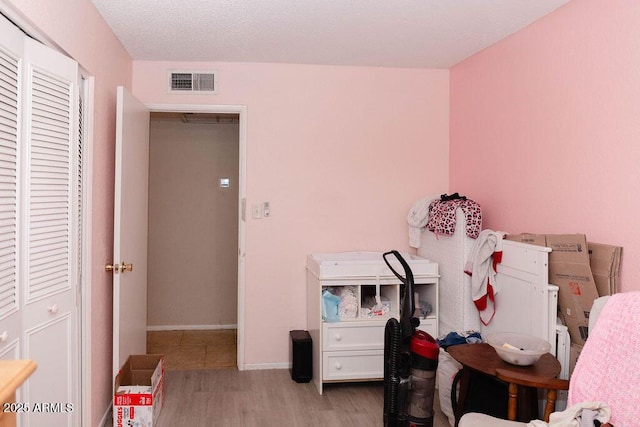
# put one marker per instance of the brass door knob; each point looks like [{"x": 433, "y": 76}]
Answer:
[{"x": 118, "y": 268}]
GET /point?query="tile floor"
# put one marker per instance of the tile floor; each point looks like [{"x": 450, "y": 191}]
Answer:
[{"x": 185, "y": 350}]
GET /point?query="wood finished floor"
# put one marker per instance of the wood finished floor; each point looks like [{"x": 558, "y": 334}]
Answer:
[
  {"x": 228, "y": 397},
  {"x": 204, "y": 389}
]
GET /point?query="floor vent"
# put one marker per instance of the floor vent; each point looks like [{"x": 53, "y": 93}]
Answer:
[{"x": 203, "y": 82}]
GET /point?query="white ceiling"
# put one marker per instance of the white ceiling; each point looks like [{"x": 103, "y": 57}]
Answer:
[{"x": 386, "y": 33}]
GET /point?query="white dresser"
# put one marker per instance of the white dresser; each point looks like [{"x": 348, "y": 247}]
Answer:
[{"x": 351, "y": 349}]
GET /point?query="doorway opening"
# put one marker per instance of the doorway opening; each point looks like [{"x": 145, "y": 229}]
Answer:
[{"x": 196, "y": 237}]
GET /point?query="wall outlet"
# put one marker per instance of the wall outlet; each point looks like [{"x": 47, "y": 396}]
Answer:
[{"x": 266, "y": 209}]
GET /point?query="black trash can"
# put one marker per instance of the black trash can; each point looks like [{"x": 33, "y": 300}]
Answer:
[{"x": 301, "y": 356}]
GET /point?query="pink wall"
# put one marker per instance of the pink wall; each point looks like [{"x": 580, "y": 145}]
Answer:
[
  {"x": 77, "y": 28},
  {"x": 341, "y": 153},
  {"x": 545, "y": 126},
  {"x": 541, "y": 129}
]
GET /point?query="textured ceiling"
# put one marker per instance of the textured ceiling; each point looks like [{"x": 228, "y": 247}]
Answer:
[{"x": 387, "y": 33}]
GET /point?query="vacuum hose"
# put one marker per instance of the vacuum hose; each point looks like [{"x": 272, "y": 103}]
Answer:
[
  {"x": 392, "y": 345},
  {"x": 410, "y": 361},
  {"x": 408, "y": 323}
]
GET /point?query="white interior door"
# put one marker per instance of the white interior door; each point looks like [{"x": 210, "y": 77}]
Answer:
[{"x": 130, "y": 228}]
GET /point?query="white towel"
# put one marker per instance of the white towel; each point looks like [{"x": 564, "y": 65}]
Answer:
[
  {"x": 485, "y": 253},
  {"x": 417, "y": 220},
  {"x": 579, "y": 415}
]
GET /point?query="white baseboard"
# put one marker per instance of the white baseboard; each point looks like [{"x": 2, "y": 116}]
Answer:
[
  {"x": 261, "y": 366},
  {"x": 190, "y": 327}
]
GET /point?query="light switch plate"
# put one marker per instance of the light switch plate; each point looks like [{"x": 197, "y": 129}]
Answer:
[{"x": 256, "y": 211}]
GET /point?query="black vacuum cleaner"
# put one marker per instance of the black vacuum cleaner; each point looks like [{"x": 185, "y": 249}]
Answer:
[{"x": 410, "y": 361}]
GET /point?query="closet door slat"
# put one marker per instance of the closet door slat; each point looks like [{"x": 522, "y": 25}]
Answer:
[
  {"x": 9, "y": 83},
  {"x": 50, "y": 182}
]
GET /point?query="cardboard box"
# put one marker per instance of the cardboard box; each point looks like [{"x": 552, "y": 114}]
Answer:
[
  {"x": 605, "y": 265},
  {"x": 139, "y": 391},
  {"x": 570, "y": 270}
]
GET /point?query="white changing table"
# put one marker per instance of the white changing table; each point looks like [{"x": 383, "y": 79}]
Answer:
[{"x": 352, "y": 349}]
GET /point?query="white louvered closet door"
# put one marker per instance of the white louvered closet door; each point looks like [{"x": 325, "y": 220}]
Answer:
[
  {"x": 11, "y": 50},
  {"x": 44, "y": 243}
]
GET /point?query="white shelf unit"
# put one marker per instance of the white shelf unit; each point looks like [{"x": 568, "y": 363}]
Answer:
[{"x": 352, "y": 349}]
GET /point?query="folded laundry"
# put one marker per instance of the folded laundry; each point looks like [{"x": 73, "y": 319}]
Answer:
[
  {"x": 330, "y": 303},
  {"x": 348, "y": 306},
  {"x": 423, "y": 309},
  {"x": 376, "y": 306}
]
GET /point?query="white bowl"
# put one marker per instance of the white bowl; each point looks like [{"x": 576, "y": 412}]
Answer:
[{"x": 518, "y": 349}]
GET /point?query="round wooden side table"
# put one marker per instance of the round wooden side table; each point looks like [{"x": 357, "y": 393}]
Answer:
[{"x": 482, "y": 358}]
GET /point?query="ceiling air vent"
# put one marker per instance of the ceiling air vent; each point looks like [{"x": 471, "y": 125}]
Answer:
[{"x": 203, "y": 82}]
